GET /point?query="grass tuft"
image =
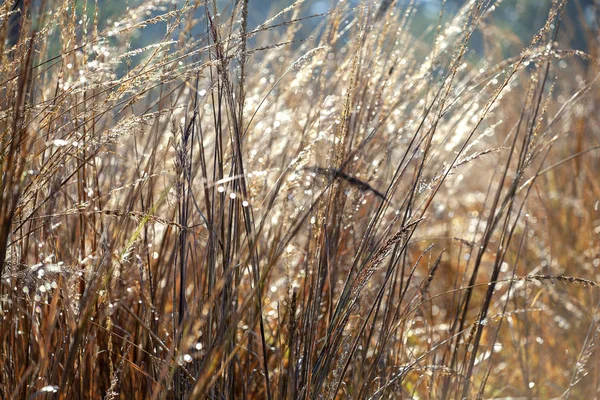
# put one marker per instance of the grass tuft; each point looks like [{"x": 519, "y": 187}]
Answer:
[{"x": 360, "y": 202}]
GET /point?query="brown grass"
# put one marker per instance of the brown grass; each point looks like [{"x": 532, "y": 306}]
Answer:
[{"x": 255, "y": 212}]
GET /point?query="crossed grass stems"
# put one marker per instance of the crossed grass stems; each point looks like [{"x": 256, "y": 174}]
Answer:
[{"x": 263, "y": 213}]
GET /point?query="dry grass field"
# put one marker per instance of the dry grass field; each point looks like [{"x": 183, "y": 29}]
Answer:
[{"x": 242, "y": 211}]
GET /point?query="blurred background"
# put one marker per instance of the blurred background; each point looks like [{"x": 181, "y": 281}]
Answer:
[
  {"x": 517, "y": 20},
  {"x": 521, "y": 18}
]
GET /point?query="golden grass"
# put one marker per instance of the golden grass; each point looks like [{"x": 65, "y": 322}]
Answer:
[{"x": 254, "y": 212}]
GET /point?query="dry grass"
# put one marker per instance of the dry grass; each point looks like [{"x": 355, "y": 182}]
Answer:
[{"x": 252, "y": 212}]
